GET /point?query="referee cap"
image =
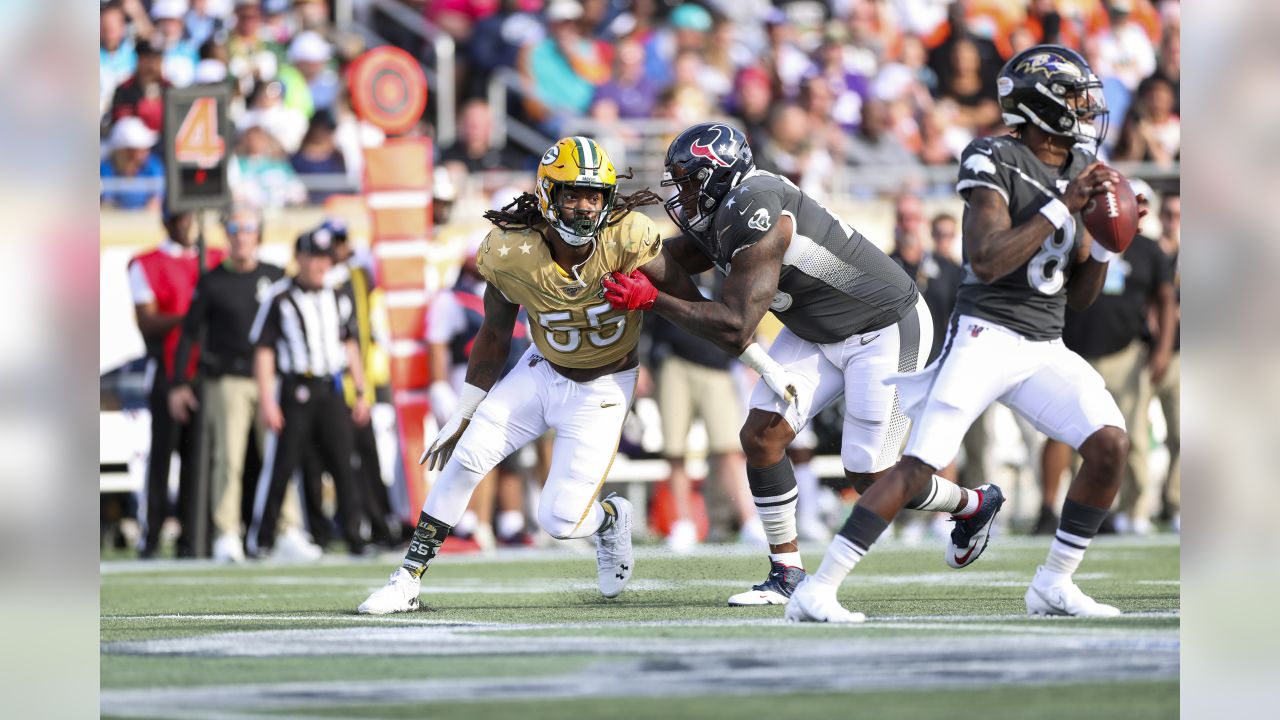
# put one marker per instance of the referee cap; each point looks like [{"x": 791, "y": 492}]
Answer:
[{"x": 316, "y": 242}]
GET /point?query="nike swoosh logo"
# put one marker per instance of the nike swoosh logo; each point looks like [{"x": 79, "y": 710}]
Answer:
[
  {"x": 748, "y": 207},
  {"x": 984, "y": 152},
  {"x": 866, "y": 340},
  {"x": 962, "y": 559},
  {"x": 608, "y": 404}
]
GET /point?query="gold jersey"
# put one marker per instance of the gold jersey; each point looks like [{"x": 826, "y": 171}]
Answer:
[{"x": 573, "y": 325}]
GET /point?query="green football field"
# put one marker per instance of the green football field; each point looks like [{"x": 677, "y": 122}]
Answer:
[{"x": 525, "y": 634}]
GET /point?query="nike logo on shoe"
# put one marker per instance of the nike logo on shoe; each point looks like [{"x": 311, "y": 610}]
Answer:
[{"x": 962, "y": 559}]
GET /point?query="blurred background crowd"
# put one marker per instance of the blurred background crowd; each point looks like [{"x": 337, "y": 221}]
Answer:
[{"x": 866, "y": 104}]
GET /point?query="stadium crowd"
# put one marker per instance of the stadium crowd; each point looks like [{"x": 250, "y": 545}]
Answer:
[{"x": 820, "y": 88}]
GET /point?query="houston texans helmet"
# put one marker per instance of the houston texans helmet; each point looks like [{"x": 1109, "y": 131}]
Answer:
[{"x": 703, "y": 164}]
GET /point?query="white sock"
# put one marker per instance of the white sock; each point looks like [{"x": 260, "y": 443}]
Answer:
[
  {"x": 510, "y": 523},
  {"x": 971, "y": 502},
  {"x": 840, "y": 559},
  {"x": 807, "y": 485},
  {"x": 790, "y": 559},
  {"x": 1065, "y": 553},
  {"x": 944, "y": 496}
]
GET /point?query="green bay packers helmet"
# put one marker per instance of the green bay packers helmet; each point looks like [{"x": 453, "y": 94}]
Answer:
[{"x": 577, "y": 162}]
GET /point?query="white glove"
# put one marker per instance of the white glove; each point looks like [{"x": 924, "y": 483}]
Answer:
[
  {"x": 773, "y": 374},
  {"x": 444, "y": 401},
  {"x": 441, "y": 450}
]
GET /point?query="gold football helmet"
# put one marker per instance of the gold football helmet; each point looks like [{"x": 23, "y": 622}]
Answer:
[{"x": 580, "y": 162}]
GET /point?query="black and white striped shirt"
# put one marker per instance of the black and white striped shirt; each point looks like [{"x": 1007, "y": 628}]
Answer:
[{"x": 306, "y": 328}]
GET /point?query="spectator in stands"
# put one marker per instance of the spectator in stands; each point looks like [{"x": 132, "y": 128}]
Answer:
[
  {"x": 142, "y": 95},
  {"x": 968, "y": 87},
  {"x": 752, "y": 104},
  {"x": 848, "y": 88},
  {"x": 693, "y": 101},
  {"x": 309, "y": 72},
  {"x": 277, "y": 21},
  {"x": 319, "y": 155},
  {"x": 162, "y": 282},
  {"x": 863, "y": 46},
  {"x": 936, "y": 275},
  {"x": 941, "y": 141},
  {"x": 117, "y": 58},
  {"x": 267, "y": 109},
  {"x": 180, "y": 54},
  {"x": 954, "y": 30},
  {"x": 1125, "y": 49},
  {"x": 874, "y": 145},
  {"x": 250, "y": 55},
  {"x": 786, "y": 62},
  {"x": 818, "y": 101},
  {"x": 474, "y": 151},
  {"x": 1167, "y": 380},
  {"x": 563, "y": 69},
  {"x": 631, "y": 89},
  {"x": 264, "y": 177},
  {"x": 496, "y": 42},
  {"x": 130, "y": 155},
  {"x": 459, "y": 17},
  {"x": 793, "y": 153},
  {"x": 201, "y": 23},
  {"x": 1169, "y": 65},
  {"x": 1114, "y": 335},
  {"x": 1151, "y": 132},
  {"x": 688, "y": 31}
]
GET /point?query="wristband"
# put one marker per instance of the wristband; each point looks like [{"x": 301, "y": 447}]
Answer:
[
  {"x": 757, "y": 359},
  {"x": 470, "y": 399},
  {"x": 1101, "y": 254},
  {"x": 1056, "y": 212}
]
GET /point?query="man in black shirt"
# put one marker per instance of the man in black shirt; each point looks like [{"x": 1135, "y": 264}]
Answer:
[
  {"x": 1166, "y": 378},
  {"x": 306, "y": 333},
  {"x": 1114, "y": 336},
  {"x": 225, "y": 301}
]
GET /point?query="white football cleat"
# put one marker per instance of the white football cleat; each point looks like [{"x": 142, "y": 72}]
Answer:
[
  {"x": 228, "y": 548},
  {"x": 1059, "y": 597},
  {"x": 814, "y": 602},
  {"x": 293, "y": 546},
  {"x": 614, "y": 560},
  {"x": 400, "y": 594},
  {"x": 683, "y": 537}
]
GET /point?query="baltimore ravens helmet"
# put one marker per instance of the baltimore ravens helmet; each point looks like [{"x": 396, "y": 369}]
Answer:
[{"x": 1053, "y": 88}]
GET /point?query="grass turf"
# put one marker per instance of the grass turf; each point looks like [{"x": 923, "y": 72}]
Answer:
[{"x": 911, "y": 591}]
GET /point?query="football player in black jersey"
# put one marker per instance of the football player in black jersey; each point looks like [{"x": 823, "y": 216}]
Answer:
[
  {"x": 852, "y": 318},
  {"x": 1026, "y": 257}
]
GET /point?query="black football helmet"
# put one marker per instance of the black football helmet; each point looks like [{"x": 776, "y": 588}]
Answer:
[
  {"x": 704, "y": 163},
  {"x": 1053, "y": 88}
]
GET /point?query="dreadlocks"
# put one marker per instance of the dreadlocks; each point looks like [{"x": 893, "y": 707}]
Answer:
[{"x": 523, "y": 213}]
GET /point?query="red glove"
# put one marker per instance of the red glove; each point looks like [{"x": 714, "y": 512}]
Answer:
[{"x": 629, "y": 292}]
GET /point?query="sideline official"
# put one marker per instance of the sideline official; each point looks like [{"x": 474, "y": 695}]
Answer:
[{"x": 305, "y": 332}]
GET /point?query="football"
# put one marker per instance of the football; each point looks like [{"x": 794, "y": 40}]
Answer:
[{"x": 1111, "y": 217}]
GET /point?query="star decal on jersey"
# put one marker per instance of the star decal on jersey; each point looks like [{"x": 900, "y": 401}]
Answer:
[
  {"x": 504, "y": 250},
  {"x": 732, "y": 199},
  {"x": 525, "y": 248}
]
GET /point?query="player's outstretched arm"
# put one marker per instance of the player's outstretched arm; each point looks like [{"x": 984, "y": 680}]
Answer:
[
  {"x": 995, "y": 247},
  {"x": 488, "y": 357},
  {"x": 750, "y": 286},
  {"x": 671, "y": 277},
  {"x": 686, "y": 253},
  {"x": 493, "y": 342}
]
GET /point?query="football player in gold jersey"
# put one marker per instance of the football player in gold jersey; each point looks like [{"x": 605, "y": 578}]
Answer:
[{"x": 549, "y": 253}]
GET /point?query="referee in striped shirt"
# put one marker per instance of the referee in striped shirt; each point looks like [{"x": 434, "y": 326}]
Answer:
[{"x": 306, "y": 333}]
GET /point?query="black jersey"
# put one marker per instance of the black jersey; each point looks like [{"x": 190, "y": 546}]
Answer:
[
  {"x": 225, "y": 303},
  {"x": 834, "y": 283},
  {"x": 1032, "y": 299}
]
